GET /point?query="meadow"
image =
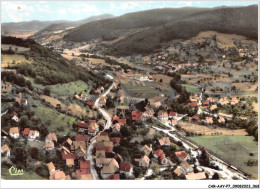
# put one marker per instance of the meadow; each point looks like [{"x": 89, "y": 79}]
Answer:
[{"x": 233, "y": 149}]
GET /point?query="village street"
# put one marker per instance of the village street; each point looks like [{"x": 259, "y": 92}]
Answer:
[{"x": 93, "y": 141}]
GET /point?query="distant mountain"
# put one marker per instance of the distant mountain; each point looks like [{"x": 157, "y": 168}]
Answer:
[
  {"x": 162, "y": 25},
  {"x": 35, "y": 26},
  {"x": 31, "y": 26}
]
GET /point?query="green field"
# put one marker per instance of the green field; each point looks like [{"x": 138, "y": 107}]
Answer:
[
  {"x": 26, "y": 175},
  {"x": 67, "y": 89},
  {"x": 12, "y": 59},
  {"x": 191, "y": 88},
  {"x": 53, "y": 119},
  {"x": 232, "y": 149}
]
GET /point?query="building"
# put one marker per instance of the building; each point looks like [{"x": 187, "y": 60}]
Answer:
[
  {"x": 182, "y": 156},
  {"x": 196, "y": 176},
  {"x": 49, "y": 146},
  {"x": 185, "y": 167},
  {"x": 144, "y": 161},
  {"x": 33, "y": 135},
  {"x": 5, "y": 150},
  {"x": 15, "y": 117},
  {"x": 51, "y": 137},
  {"x": 14, "y": 132},
  {"x": 26, "y": 131},
  {"x": 165, "y": 141},
  {"x": 159, "y": 154},
  {"x": 126, "y": 168},
  {"x": 173, "y": 115},
  {"x": 109, "y": 166},
  {"x": 102, "y": 101},
  {"x": 136, "y": 115},
  {"x": 162, "y": 115},
  {"x": 146, "y": 150}
]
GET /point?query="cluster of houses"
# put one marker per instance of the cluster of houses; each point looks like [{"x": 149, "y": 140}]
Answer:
[{"x": 90, "y": 128}]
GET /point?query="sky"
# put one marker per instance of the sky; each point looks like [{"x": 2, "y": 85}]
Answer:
[{"x": 17, "y": 11}]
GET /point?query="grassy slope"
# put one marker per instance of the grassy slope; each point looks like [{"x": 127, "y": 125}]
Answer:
[
  {"x": 191, "y": 88},
  {"x": 26, "y": 176},
  {"x": 56, "y": 119},
  {"x": 235, "y": 150}
]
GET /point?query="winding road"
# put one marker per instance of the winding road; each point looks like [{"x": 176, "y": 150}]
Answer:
[{"x": 93, "y": 140}]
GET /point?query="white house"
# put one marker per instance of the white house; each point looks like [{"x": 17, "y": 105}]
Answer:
[
  {"x": 15, "y": 117},
  {"x": 14, "y": 132},
  {"x": 33, "y": 135}
]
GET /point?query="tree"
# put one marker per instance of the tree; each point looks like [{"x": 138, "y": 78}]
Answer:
[
  {"x": 47, "y": 91},
  {"x": 34, "y": 153}
]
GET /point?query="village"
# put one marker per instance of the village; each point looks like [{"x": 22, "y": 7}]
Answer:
[{"x": 144, "y": 123}]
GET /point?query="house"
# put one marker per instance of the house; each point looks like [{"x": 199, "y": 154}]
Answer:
[
  {"x": 5, "y": 87},
  {"x": 70, "y": 158},
  {"x": 57, "y": 175},
  {"x": 136, "y": 115},
  {"x": 209, "y": 120},
  {"x": 76, "y": 144},
  {"x": 173, "y": 115},
  {"x": 205, "y": 103},
  {"x": 113, "y": 177},
  {"x": 116, "y": 128},
  {"x": 50, "y": 166},
  {"x": 166, "y": 162},
  {"x": 224, "y": 101},
  {"x": 14, "y": 132},
  {"x": 174, "y": 122},
  {"x": 157, "y": 104},
  {"x": 84, "y": 167},
  {"x": 178, "y": 172},
  {"x": 81, "y": 138},
  {"x": 100, "y": 154},
  {"x": 90, "y": 102},
  {"x": 33, "y": 135},
  {"x": 122, "y": 121},
  {"x": 146, "y": 150},
  {"x": 5, "y": 150},
  {"x": 107, "y": 149},
  {"x": 143, "y": 162},
  {"x": 83, "y": 97},
  {"x": 64, "y": 150},
  {"x": 26, "y": 131},
  {"x": 15, "y": 117},
  {"x": 149, "y": 112},
  {"x": 162, "y": 115},
  {"x": 192, "y": 104},
  {"x": 51, "y": 137},
  {"x": 82, "y": 127},
  {"x": 76, "y": 96},
  {"x": 23, "y": 102},
  {"x": 102, "y": 138},
  {"x": 49, "y": 145},
  {"x": 195, "y": 117},
  {"x": 213, "y": 107},
  {"x": 165, "y": 141},
  {"x": 221, "y": 119},
  {"x": 182, "y": 156},
  {"x": 102, "y": 101},
  {"x": 126, "y": 168},
  {"x": 92, "y": 132},
  {"x": 185, "y": 167},
  {"x": 109, "y": 166},
  {"x": 115, "y": 140},
  {"x": 159, "y": 154},
  {"x": 196, "y": 176}
]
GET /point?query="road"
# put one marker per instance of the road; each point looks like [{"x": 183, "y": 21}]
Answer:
[{"x": 93, "y": 141}]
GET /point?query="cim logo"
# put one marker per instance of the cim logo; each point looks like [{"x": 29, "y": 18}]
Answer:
[{"x": 14, "y": 171}]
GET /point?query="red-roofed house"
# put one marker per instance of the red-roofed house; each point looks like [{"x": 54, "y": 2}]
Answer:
[
  {"x": 126, "y": 168},
  {"x": 103, "y": 134},
  {"x": 115, "y": 140},
  {"x": 192, "y": 104},
  {"x": 115, "y": 118},
  {"x": 107, "y": 149},
  {"x": 69, "y": 156},
  {"x": 173, "y": 115},
  {"x": 113, "y": 177},
  {"x": 195, "y": 117},
  {"x": 136, "y": 115},
  {"x": 90, "y": 102},
  {"x": 121, "y": 121},
  {"x": 182, "y": 156},
  {"x": 205, "y": 103},
  {"x": 81, "y": 138},
  {"x": 92, "y": 132},
  {"x": 26, "y": 131},
  {"x": 159, "y": 154},
  {"x": 162, "y": 115}
]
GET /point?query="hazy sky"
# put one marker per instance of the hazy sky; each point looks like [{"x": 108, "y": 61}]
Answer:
[{"x": 16, "y": 11}]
